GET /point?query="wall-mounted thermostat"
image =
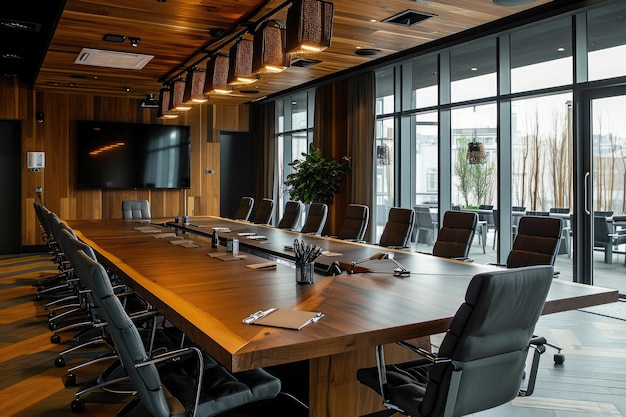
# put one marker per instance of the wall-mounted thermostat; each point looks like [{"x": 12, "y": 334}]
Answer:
[{"x": 35, "y": 161}]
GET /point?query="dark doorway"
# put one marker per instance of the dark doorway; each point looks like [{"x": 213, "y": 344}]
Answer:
[
  {"x": 10, "y": 186},
  {"x": 237, "y": 169}
]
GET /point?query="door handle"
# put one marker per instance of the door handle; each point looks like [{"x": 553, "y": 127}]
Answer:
[{"x": 586, "y": 189}]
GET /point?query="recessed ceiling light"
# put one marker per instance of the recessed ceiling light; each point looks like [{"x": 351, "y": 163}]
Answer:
[
  {"x": 111, "y": 37},
  {"x": 11, "y": 56},
  {"x": 473, "y": 69},
  {"x": 561, "y": 49},
  {"x": 367, "y": 51}
]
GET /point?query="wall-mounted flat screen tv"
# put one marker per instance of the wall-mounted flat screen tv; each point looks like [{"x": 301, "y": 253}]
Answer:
[{"x": 123, "y": 156}]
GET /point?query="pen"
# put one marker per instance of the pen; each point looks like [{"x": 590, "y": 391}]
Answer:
[{"x": 259, "y": 315}]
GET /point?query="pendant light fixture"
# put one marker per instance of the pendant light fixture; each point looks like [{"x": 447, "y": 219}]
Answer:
[
  {"x": 164, "y": 111},
  {"x": 309, "y": 26},
  {"x": 176, "y": 96},
  {"x": 240, "y": 63},
  {"x": 216, "y": 79},
  {"x": 269, "y": 49},
  {"x": 194, "y": 86}
]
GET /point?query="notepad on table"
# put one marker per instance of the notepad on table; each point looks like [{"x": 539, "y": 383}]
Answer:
[
  {"x": 147, "y": 229},
  {"x": 224, "y": 256},
  {"x": 165, "y": 235},
  {"x": 263, "y": 265},
  {"x": 289, "y": 319},
  {"x": 329, "y": 253},
  {"x": 184, "y": 243}
]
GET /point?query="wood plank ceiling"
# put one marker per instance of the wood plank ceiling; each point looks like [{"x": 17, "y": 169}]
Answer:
[{"x": 181, "y": 32}]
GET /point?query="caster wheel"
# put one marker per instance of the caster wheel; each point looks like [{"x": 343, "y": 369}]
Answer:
[
  {"x": 559, "y": 358},
  {"x": 78, "y": 405},
  {"x": 524, "y": 375},
  {"x": 52, "y": 326},
  {"x": 70, "y": 380},
  {"x": 59, "y": 362},
  {"x": 51, "y": 314},
  {"x": 55, "y": 338}
]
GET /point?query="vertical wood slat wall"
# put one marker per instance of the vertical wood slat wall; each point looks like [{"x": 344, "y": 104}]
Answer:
[{"x": 56, "y": 137}]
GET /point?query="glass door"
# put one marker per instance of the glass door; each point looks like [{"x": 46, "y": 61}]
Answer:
[{"x": 602, "y": 241}]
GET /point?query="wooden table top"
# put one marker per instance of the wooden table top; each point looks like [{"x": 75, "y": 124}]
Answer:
[{"x": 207, "y": 298}]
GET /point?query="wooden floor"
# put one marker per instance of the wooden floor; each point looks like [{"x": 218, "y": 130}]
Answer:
[{"x": 592, "y": 382}]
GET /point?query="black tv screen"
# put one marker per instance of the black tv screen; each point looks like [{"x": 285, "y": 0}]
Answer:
[{"x": 122, "y": 156}]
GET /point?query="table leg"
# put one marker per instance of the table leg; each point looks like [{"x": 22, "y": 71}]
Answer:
[{"x": 334, "y": 390}]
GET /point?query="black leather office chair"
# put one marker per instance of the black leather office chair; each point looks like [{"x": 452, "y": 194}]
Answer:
[
  {"x": 316, "y": 219},
  {"x": 264, "y": 213},
  {"x": 135, "y": 209},
  {"x": 482, "y": 357},
  {"x": 245, "y": 209},
  {"x": 355, "y": 223},
  {"x": 186, "y": 381},
  {"x": 398, "y": 228},
  {"x": 425, "y": 228},
  {"x": 456, "y": 234},
  {"x": 537, "y": 243},
  {"x": 604, "y": 239},
  {"x": 291, "y": 216}
]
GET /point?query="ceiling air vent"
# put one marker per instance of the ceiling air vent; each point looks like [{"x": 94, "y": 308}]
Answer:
[
  {"x": 112, "y": 59},
  {"x": 20, "y": 25},
  {"x": 408, "y": 18},
  {"x": 304, "y": 62}
]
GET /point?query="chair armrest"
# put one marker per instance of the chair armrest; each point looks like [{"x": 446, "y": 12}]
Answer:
[
  {"x": 538, "y": 344},
  {"x": 423, "y": 352},
  {"x": 464, "y": 259},
  {"x": 496, "y": 264},
  {"x": 177, "y": 354},
  {"x": 423, "y": 253}
]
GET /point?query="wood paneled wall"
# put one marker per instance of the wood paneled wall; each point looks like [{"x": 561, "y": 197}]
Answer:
[{"x": 56, "y": 136}]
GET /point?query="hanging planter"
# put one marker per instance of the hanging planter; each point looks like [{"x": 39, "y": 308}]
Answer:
[{"x": 476, "y": 153}]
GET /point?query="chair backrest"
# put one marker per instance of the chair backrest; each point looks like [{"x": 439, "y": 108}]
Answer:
[
  {"x": 244, "y": 209},
  {"x": 518, "y": 208},
  {"x": 398, "y": 228},
  {"x": 456, "y": 234},
  {"x": 487, "y": 217},
  {"x": 315, "y": 219},
  {"x": 355, "y": 223},
  {"x": 536, "y": 243},
  {"x": 488, "y": 338},
  {"x": 264, "y": 212},
  {"x": 135, "y": 209},
  {"x": 291, "y": 216},
  {"x": 128, "y": 343},
  {"x": 601, "y": 231},
  {"x": 423, "y": 218},
  {"x": 537, "y": 213},
  {"x": 561, "y": 210}
]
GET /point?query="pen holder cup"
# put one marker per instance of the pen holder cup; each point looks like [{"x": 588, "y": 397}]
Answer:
[{"x": 304, "y": 272}]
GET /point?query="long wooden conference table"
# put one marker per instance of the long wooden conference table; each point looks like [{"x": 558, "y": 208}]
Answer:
[{"x": 207, "y": 298}]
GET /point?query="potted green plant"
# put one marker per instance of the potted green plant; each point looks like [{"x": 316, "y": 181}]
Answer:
[{"x": 316, "y": 179}]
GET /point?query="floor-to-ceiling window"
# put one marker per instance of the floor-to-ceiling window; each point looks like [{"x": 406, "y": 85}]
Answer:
[
  {"x": 385, "y": 150},
  {"x": 294, "y": 126}
]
